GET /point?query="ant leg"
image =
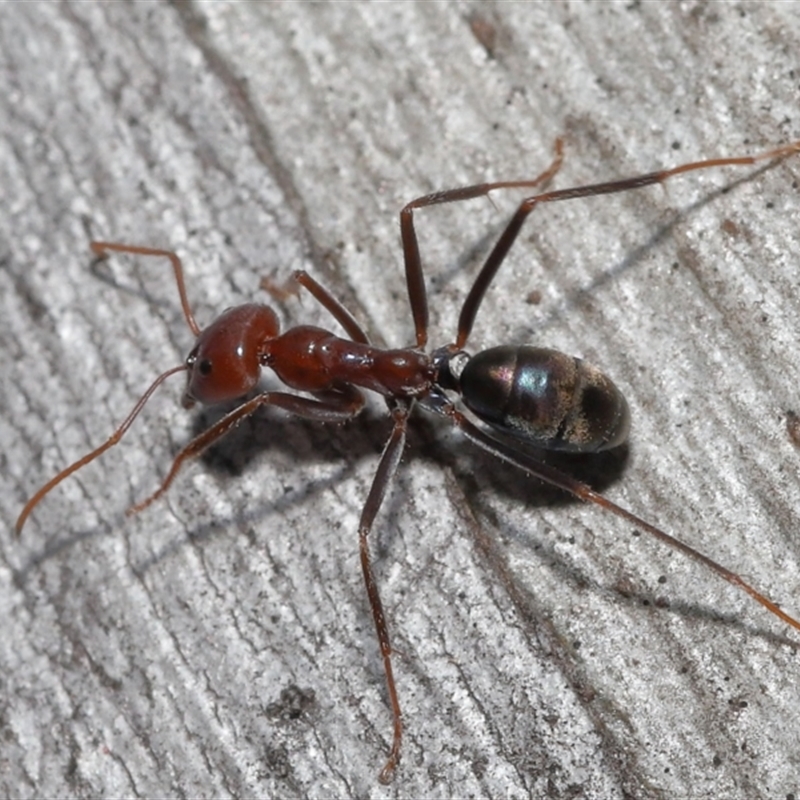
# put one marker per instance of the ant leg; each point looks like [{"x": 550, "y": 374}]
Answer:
[
  {"x": 507, "y": 238},
  {"x": 331, "y": 304},
  {"x": 101, "y": 249},
  {"x": 82, "y": 462},
  {"x": 580, "y": 490},
  {"x": 333, "y": 406},
  {"x": 414, "y": 276},
  {"x": 383, "y": 477}
]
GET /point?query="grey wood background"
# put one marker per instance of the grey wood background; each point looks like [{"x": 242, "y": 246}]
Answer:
[{"x": 220, "y": 644}]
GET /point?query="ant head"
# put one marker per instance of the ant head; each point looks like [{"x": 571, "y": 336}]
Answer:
[{"x": 225, "y": 363}]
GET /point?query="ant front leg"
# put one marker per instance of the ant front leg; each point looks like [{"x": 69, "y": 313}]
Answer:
[
  {"x": 332, "y": 305},
  {"x": 414, "y": 275},
  {"x": 101, "y": 249},
  {"x": 331, "y": 406},
  {"x": 301, "y": 278}
]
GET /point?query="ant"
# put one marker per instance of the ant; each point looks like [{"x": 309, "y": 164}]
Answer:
[{"x": 518, "y": 393}]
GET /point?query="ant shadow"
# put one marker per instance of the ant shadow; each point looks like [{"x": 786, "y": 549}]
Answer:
[
  {"x": 270, "y": 433},
  {"x": 346, "y": 445},
  {"x": 478, "y": 473}
]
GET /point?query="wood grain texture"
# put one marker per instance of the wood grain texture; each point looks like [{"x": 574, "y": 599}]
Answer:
[{"x": 220, "y": 644}]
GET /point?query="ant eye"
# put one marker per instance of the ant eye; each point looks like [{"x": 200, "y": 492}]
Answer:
[{"x": 205, "y": 367}]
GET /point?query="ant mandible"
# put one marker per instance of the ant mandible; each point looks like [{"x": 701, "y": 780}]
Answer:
[{"x": 540, "y": 396}]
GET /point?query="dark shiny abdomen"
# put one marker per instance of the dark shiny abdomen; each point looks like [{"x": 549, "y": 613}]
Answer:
[{"x": 557, "y": 401}]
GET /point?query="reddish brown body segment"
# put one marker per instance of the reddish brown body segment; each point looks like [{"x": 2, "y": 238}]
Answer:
[{"x": 314, "y": 360}]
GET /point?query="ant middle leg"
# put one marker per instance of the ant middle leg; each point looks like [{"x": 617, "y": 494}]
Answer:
[
  {"x": 413, "y": 262},
  {"x": 380, "y": 483},
  {"x": 495, "y": 259}
]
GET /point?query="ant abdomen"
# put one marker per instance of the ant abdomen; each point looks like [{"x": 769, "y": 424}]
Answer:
[{"x": 559, "y": 402}]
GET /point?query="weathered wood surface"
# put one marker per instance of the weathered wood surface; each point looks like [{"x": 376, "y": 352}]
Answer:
[{"x": 220, "y": 643}]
